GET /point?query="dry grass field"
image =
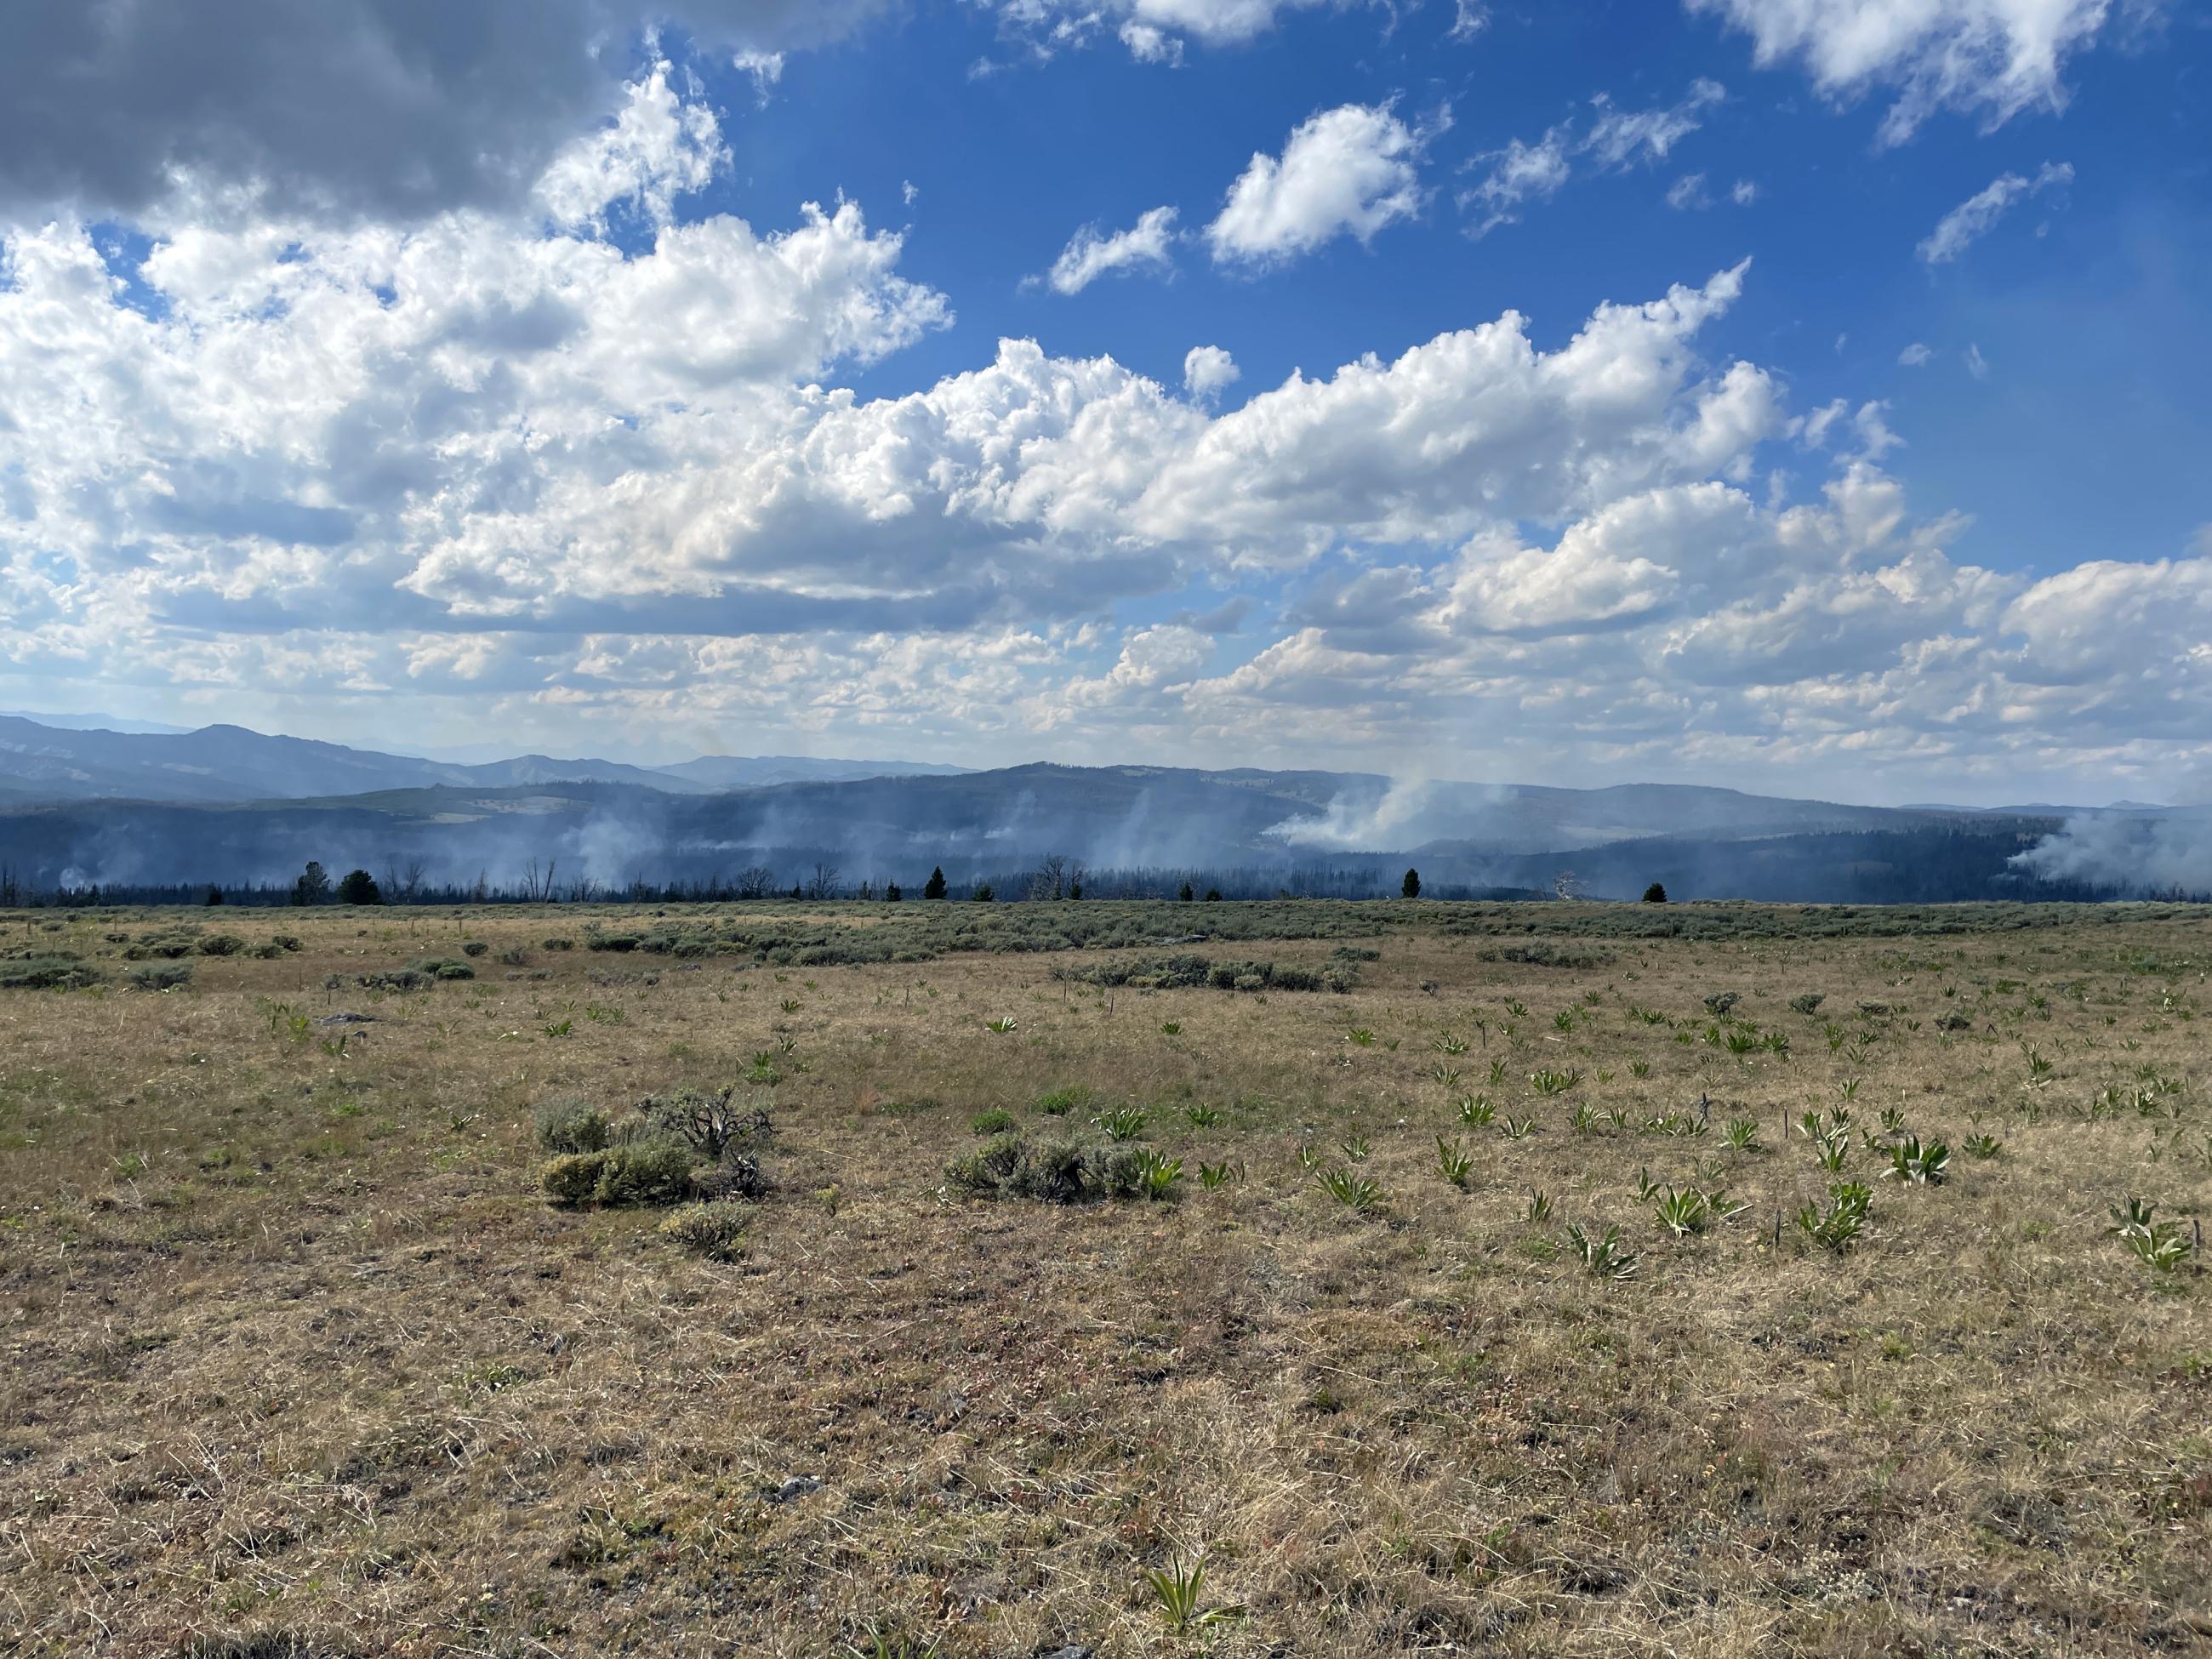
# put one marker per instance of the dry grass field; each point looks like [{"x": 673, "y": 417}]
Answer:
[{"x": 302, "y": 1360}]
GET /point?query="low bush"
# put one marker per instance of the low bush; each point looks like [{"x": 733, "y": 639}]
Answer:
[
  {"x": 1544, "y": 953},
  {"x": 571, "y": 1126},
  {"x": 219, "y": 944},
  {"x": 646, "y": 1172},
  {"x": 161, "y": 976},
  {"x": 393, "y": 979},
  {"x": 475, "y": 947},
  {"x": 714, "y": 1228},
  {"x": 48, "y": 973},
  {"x": 711, "y": 1123},
  {"x": 574, "y": 1178},
  {"x": 1808, "y": 1002},
  {"x": 1052, "y": 1171}
]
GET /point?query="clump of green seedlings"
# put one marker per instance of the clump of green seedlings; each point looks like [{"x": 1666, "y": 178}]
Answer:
[
  {"x": 1692, "y": 1210},
  {"x": 1454, "y": 1162},
  {"x": 1355, "y": 1192},
  {"x": 1476, "y": 1111},
  {"x": 1179, "y": 1589},
  {"x": 1551, "y": 1081},
  {"x": 1837, "y": 1226},
  {"x": 1923, "y": 1163},
  {"x": 1214, "y": 1176},
  {"x": 1123, "y": 1123},
  {"x": 1742, "y": 1135},
  {"x": 2162, "y": 1246},
  {"x": 1060, "y": 1101},
  {"x": 1601, "y": 1253}
]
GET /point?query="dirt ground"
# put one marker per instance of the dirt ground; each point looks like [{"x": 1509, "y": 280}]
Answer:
[{"x": 302, "y": 1360}]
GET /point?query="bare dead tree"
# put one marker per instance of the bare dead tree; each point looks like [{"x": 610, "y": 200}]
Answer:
[
  {"x": 1049, "y": 879},
  {"x": 824, "y": 882},
  {"x": 756, "y": 881}
]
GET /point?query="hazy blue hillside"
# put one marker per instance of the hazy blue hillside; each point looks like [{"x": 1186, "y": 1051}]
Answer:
[
  {"x": 47, "y": 762},
  {"x": 1141, "y": 828}
]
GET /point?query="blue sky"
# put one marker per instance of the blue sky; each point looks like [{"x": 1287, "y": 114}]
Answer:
[{"x": 514, "y": 395}]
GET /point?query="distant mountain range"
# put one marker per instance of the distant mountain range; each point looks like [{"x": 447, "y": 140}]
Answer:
[
  {"x": 139, "y": 812},
  {"x": 42, "y": 762}
]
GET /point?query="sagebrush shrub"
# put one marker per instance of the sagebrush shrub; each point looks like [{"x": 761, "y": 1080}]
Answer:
[
  {"x": 574, "y": 1178},
  {"x": 571, "y": 1126},
  {"x": 716, "y": 1230},
  {"x": 647, "y": 1172}
]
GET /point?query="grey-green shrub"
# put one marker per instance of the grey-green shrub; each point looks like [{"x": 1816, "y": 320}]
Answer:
[
  {"x": 571, "y": 1126},
  {"x": 574, "y": 1178},
  {"x": 646, "y": 1172},
  {"x": 48, "y": 973},
  {"x": 716, "y": 1230},
  {"x": 985, "y": 1168}
]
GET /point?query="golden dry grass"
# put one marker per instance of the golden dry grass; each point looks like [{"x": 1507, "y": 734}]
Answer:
[{"x": 300, "y": 1360}]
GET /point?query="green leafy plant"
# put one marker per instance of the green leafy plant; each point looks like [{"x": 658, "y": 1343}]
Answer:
[
  {"x": 1123, "y": 1123},
  {"x": 1741, "y": 1135},
  {"x": 1682, "y": 1213},
  {"x": 1156, "y": 1175},
  {"x": 1360, "y": 1036},
  {"x": 1214, "y": 1176},
  {"x": 1354, "y": 1192},
  {"x": 1179, "y": 1589},
  {"x": 1646, "y": 1188},
  {"x": 1171, "y": 1027},
  {"x": 1601, "y": 1253},
  {"x": 2162, "y": 1246},
  {"x": 1923, "y": 1164},
  {"x": 1476, "y": 1111},
  {"x": 1837, "y": 1227},
  {"x": 1446, "y": 1075},
  {"x": 1549, "y": 1081},
  {"x": 1201, "y": 1116},
  {"x": 1517, "y": 1129},
  {"x": 1454, "y": 1162},
  {"x": 1540, "y": 1204},
  {"x": 1355, "y": 1148},
  {"x": 1981, "y": 1145},
  {"x": 1450, "y": 1045}
]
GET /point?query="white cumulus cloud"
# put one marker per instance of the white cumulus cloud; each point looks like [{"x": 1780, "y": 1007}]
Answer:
[
  {"x": 1092, "y": 252},
  {"x": 1207, "y": 369},
  {"x": 1347, "y": 172},
  {"x": 1995, "y": 58},
  {"x": 1973, "y": 218}
]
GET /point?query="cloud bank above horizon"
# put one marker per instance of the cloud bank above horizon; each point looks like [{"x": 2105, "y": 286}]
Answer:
[{"x": 518, "y": 424}]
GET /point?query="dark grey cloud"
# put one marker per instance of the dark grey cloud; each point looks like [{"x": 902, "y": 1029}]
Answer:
[{"x": 392, "y": 107}]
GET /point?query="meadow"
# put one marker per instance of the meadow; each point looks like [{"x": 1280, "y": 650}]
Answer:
[{"x": 1105, "y": 1280}]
